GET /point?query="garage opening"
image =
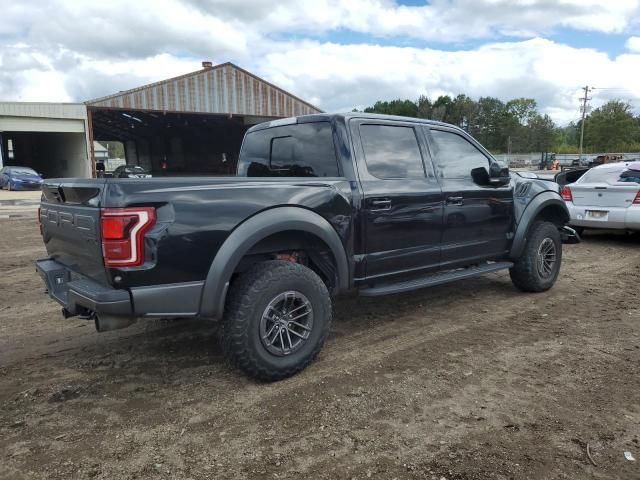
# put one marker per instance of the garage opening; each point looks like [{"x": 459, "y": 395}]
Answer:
[
  {"x": 52, "y": 154},
  {"x": 173, "y": 144}
]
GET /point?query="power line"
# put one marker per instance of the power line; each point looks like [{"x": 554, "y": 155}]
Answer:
[{"x": 611, "y": 88}]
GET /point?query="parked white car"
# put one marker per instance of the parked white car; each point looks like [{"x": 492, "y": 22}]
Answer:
[{"x": 607, "y": 196}]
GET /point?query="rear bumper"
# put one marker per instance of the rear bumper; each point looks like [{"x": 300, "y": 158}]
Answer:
[
  {"x": 25, "y": 185},
  {"x": 80, "y": 295},
  {"x": 623, "y": 218}
]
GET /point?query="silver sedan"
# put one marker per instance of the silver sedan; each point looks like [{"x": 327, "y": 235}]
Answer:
[{"x": 607, "y": 196}]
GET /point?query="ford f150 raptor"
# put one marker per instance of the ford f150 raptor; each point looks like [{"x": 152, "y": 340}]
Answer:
[{"x": 321, "y": 205}]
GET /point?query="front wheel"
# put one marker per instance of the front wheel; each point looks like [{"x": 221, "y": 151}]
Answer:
[
  {"x": 277, "y": 320},
  {"x": 538, "y": 267}
]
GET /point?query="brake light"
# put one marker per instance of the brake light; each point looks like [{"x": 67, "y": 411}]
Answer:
[
  {"x": 566, "y": 194},
  {"x": 636, "y": 201},
  {"x": 122, "y": 231}
]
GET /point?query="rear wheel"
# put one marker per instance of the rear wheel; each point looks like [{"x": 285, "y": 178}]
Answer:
[
  {"x": 537, "y": 268},
  {"x": 277, "y": 320}
]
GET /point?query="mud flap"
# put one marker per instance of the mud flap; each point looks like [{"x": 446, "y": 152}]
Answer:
[{"x": 569, "y": 235}]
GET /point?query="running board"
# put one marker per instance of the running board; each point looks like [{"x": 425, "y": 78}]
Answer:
[{"x": 433, "y": 279}]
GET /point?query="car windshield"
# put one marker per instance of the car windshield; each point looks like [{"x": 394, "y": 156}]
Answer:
[
  {"x": 22, "y": 171},
  {"x": 134, "y": 169}
]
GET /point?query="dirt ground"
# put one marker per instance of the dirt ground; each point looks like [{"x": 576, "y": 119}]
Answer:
[{"x": 473, "y": 380}]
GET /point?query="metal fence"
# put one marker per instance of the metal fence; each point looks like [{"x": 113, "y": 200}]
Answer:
[{"x": 523, "y": 160}]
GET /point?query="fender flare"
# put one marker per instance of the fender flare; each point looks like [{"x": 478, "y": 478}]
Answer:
[
  {"x": 250, "y": 232},
  {"x": 539, "y": 203}
]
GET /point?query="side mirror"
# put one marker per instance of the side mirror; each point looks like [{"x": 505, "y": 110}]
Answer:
[
  {"x": 498, "y": 176},
  {"x": 495, "y": 176}
]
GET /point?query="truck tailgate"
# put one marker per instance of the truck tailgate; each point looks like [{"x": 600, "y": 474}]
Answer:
[{"x": 70, "y": 219}]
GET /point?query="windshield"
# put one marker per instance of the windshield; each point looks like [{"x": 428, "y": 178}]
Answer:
[
  {"x": 134, "y": 169},
  {"x": 22, "y": 171}
]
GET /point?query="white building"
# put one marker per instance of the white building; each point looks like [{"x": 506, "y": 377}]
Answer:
[{"x": 51, "y": 138}]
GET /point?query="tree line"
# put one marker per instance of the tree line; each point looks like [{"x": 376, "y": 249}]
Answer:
[{"x": 517, "y": 125}]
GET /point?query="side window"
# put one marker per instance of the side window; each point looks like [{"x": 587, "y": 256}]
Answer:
[
  {"x": 299, "y": 150},
  {"x": 455, "y": 156},
  {"x": 391, "y": 151}
]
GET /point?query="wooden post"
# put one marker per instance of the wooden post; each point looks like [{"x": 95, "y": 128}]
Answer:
[{"x": 92, "y": 153}]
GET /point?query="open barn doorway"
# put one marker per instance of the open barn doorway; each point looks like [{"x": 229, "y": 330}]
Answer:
[{"x": 171, "y": 144}]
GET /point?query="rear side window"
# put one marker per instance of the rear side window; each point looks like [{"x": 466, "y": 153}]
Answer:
[
  {"x": 300, "y": 150},
  {"x": 455, "y": 155},
  {"x": 391, "y": 151}
]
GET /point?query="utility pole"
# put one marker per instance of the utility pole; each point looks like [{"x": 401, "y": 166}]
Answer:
[{"x": 584, "y": 99}]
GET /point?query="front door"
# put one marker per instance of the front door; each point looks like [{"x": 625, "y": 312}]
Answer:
[
  {"x": 402, "y": 206},
  {"x": 478, "y": 220}
]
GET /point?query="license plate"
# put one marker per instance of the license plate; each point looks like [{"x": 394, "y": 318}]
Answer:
[{"x": 597, "y": 214}]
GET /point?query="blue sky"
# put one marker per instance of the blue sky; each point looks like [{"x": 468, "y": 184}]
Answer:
[{"x": 338, "y": 54}]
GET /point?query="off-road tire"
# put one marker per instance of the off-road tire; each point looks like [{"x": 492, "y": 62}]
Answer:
[
  {"x": 249, "y": 297},
  {"x": 525, "y": 273}
]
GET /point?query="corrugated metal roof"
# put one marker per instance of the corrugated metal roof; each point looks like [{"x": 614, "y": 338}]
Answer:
[
  {"x": 223, "y": 89},
  {"x": 76, "y": 111}
]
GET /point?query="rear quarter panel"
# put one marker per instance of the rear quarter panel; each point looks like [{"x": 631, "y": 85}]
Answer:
[{"x": 196, "y": 215}]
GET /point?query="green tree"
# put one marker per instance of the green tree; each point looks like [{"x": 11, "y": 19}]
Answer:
[
  {"x": 405, "y": 108},
  {"x": 442, "y": 108},
  {"x": 424, "y": 107},
  {"x": 542, "y": 133},
  {"x": 462, "y": 111},
  {"x": 611, "y": 127},
  {"x": 521, "y": 109},
  {"x": 495, "y": 124},
  {"x": 487, "y": 125}
]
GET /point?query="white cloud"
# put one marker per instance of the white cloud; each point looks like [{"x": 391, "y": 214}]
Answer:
[
  {"x": 440, "y": 20},
  {"x": 65, "y": 50},
  {"x": 343, "y": 76},
  {"x": 633, "y": 44}
]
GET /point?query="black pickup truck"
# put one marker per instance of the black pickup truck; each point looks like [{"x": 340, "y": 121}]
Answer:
[{"x": 321, "y": 205}]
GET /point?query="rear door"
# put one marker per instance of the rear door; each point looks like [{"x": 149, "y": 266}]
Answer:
[
  {"x": 478, "y": 219},
  {"x": 402, "y": 209},
  {"x": 70, "y": 220}
]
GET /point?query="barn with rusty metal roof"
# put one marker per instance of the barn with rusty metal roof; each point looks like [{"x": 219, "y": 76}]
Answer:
[
  {"x": 192, "y": 124},
  {"x": 188, "y": 125}
]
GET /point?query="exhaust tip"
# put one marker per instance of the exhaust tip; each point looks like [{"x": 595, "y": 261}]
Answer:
[{"x": 107, "y": 323}]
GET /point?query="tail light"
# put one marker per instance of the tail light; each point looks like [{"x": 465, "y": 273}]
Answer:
[
  {"x": 566, "y": 194},
  {"x": 636, "y": 201},
  {"x": 123, "y": 232}
]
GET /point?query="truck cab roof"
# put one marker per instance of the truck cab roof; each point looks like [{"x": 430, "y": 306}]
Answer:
[{"x": 328, "y": 117}]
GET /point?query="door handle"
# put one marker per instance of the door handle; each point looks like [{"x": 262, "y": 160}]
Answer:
[
  {"x": 377, "y": 204},
  {"x": 455, "y": 200}
]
